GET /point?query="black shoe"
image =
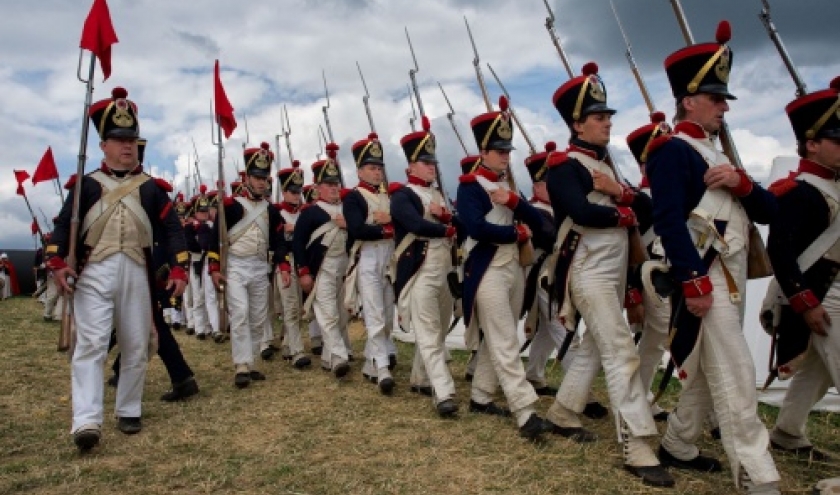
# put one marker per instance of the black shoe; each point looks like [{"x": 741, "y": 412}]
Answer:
[
  {"x": 392, "y": 362},
  {"x": 176, "y": 327},
  {"x": 661, "y": 416},
  {"x": 317, "y": 350},
  {"x": 808, "y": 452},
  {"x": 181, "y": 390},
  {"x": 48, "y": 318},
  {"x": 534, "y": 427},
  {"x": 573, "y": 433},
  {"x": 594, "y": 410},
  {"x": 341, "y": 370},
  {"x": 201, "y": 336},
  {"x": 350, "y": 358},
  {"x": 386, "y": 386},
  {"x": 422, "y": 389},
  {"x": 273, "y": 347},
  {"x": 369, "y": 378},
  {"x": 190, "y": 331},
  {"x": 129, "y": 426},
  {"x": 302, "y": 362},
  {"x": 114, "y": 381},
  {"x": 489, "y": 408},
  {"x": 468, "y": 376},
  {"x": 546, "y": 391},
  {"x": 242, "y": 380},
  {"x": 256, "y": 376},
  {"x": 702, "y": 463},
  {"x": 447, "y": 408},
  {"x": 86, "y": 439},
  {"x": 267, "y": 354},
  {"x": 652, "y": 475},
  {"x": 715, "y": 433},
  {"x": 219, "y": 337}
]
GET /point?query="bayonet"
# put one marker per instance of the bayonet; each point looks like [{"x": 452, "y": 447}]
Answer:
[
  {"x": 634, "y": 68},
  {"x": 549, "y": 26},
  {"x": 366, "y": 99},
  {"x": 451, "y": 116},
  {"x": 513, "y": 115},
  {"x": 412, "y": 73},
  {"x": 801, "y": 89},
  {"x": 477, "y": 65},
  {"x": 287, "y": 131},
  {"x": 413, "y": 119}
]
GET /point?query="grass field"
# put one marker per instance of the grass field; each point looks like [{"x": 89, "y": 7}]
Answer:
[{"x": 305, "y": 433}]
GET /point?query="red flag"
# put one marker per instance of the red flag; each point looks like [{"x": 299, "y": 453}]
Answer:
[
  {"x": 20, "y": 191},
  {"x": 46, "y": 169},
  {"x": 35, "y": 228},
  {"x": 224, "y": 110},
  {"x": 98, "y": 35},
  {"x": 21, "y": 176}
]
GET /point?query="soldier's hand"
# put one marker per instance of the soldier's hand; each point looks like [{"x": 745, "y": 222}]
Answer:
[
  {"x": 340, "y": 221},
  {"x": 306, "y": 283},
  {"x": 699, "y": 306},
  {"x": 177, "y": 286},
  {"x": 818, "y": 320},
  {"x": 381, "y": 218},
  {"x": 62, "y": 279},
  {"x": 218, "y": 280},
  {"x": 435, "y": 209},
  {"x": 636, "y": 314},
  {"x": 721, "y": 176},
  {"x": 286, "y": 279},
  {"x": 499, "y": 196},
  {"x": 603, "y": 183},
  {"x": 289, "y": 228}
]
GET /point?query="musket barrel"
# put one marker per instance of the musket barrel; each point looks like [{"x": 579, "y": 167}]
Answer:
[{"x": 764, "y": 15}]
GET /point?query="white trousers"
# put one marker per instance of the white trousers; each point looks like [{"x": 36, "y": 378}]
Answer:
[
  {"x": 376, "y": 295},
  {"x": 548, "y": 338},
  {"x": 6, "y": 291},
  {"x": 247, "y": 290},
  {"x": 200, "y": 320},
  {"x": 654, "y": 339},
  {"x": 497, "y": 305},
  {"x": 50, "y": 297},
  {"x": 723, "y": 379},
  {"x": 430, "y": 307},
  {"x": 211, "y": 301},
  {"x": 112, "y": 293},
  {"x": 328, "y": 307},
  {"x": 290, "y": 297},
  {"x": 819, "y": 371}
]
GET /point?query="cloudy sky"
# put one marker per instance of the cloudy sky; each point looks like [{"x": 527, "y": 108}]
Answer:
[{"x": 272, "y": 53}]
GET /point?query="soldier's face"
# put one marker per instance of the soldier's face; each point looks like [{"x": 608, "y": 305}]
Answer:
[
  {"x": 293, "y": 198},
  {"x": 257, "y": 185},
  {"x": 329, "y": 192},
  {"x": 540, "y": 191},
  {"x": 120, "y": 153},
  {"x": 372, "y": 174},
  {"x": 706, "y": 110},
  {"x": 496, "y": 160},
  {"x": 595, "y": 128},
  {"x": 423, "y": 170},
  {"x": 825, "y": 151}
]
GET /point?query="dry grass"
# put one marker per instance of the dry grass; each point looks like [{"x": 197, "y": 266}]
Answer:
[{"x": 302, "y": 433}]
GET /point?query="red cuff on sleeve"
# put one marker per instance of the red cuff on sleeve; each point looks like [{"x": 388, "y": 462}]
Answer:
[
  {"x": 626, "y": 216},
  {"x": 803, "y": 301},
  {"x": 697, "y": 287},
  {"x": 388, "y": 231},
  {"x": 178, "y": 273},
  {"x": 521, "y": 233},
  {"x": 445, "y": 217},
  {"x": 627, "y": 196},
  {"x": 632, "y": 298},
  {"x": 451, "y": 231},
  {"x": 56, "y": 263},
  {"x": 285, "y": 267},
  {"x": 303, "y": 271},
  {"x": 744, "y": 186},
  {"x": 513, "y": 200},
  {"x": 213, "y": 267}
]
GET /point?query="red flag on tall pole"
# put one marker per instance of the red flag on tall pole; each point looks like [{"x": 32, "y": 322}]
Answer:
[
  {"x": 224, "y": 110},
  {"x": 35, "y": 228},
  {"x": 20, "y": 177},
  {"x": 98, "y": 35},
  {"x": 46, "y": 169}
]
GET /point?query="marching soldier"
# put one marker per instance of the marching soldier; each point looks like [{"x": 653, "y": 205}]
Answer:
[
  {"x": 423, "y": 258},
  {"x": 8, "y": 278},
  {"x": 702, "y": 211},
  {"x": 371, "y": 232},
  {"x": 804, "y": 246},
  {"x": 593, "y": 213},
  {"x": 254, "y": 229},
  {"x": 493, "y": 278},
  {"x": 316, "y": 343},
  {"x": 290, "y": 181},
  {"x": 112, "y": 288},
  {"x": 200, "y": 234},
  {"x": 319, "y": 252}
]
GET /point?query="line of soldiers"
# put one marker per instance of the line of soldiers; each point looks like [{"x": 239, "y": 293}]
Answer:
[{"x": 571, "y": 260}]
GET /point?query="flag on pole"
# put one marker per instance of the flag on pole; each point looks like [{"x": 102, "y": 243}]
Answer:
[
  {"x": 46, "y": 169},
  {"x": 98, "y": 35},
  {"x": 224, "y": 110},
  {"x": 20, "y": 177},
  {"x": 35, "y": 228}
]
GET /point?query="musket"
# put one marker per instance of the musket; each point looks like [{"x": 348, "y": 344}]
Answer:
[
  {"x": 277, "y": 152},
  {"x": 549, "y": 26},
  {"x": 451, "y": 116},
  {"x": 513, "y": 115},
  {"x": 195, "y": 163},
  {"x": 287, "y": 131},
  {"x": 247, "y": 136},
  {"x": 634, "y": 68},
  {"x": 801, "y": 89},
  {"x": 413, "y": 119},
  {"x": 221, "y": 220},
  {"x": 322, "y": 138},
  {"x": 325, "y": 109},
  {"x": 478, "y": 75},
  {"x": 412, "y": 74},
  {"x": 67, "y": 310},
  {"x": 366, "y": 101}
]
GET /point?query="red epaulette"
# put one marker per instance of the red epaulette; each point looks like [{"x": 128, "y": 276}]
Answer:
[
  {"x": 70, "y": 182},
  {"x": 556, "y": 159},
  {"x": 166, "y": 186},
  {"x": 307, "y": 205},
  {"x": 229, "y": 200},
  {"x": 467, "y": 178},
  {"x": 657, "y": 143},
  {"x": 394, "y": 187},
  {"x": 344, "y": 193},
  {"x": 784, "y": 186}
]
